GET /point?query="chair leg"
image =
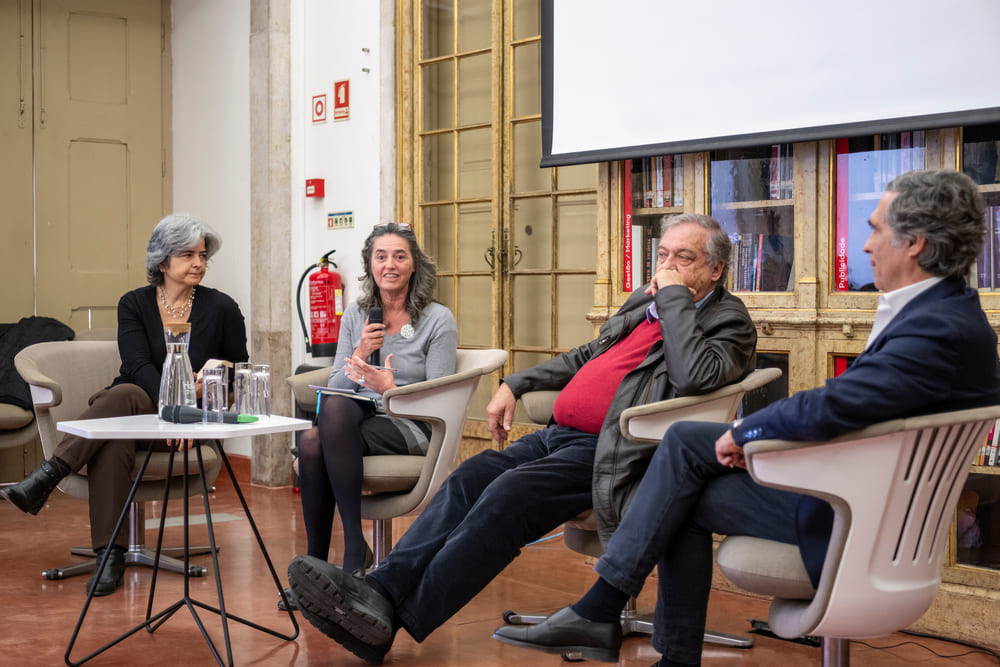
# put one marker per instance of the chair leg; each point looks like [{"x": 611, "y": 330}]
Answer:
[
  {"x": 836, "y": 652},
  {"x": 137, "y": 554},
  {"x": 382, "y": 537}
]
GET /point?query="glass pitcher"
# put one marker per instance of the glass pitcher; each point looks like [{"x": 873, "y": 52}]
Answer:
[{"x": 177, "y": 378}]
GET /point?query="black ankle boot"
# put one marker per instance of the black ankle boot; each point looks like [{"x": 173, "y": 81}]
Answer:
[
  {"x": 30, "y": 494},
  {"x": 113, "y": 574}
]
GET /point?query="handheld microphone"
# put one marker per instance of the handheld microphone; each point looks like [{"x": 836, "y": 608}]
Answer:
[
  {"x": 375, "y": 317},
  {"x": 183, "y": 414}
]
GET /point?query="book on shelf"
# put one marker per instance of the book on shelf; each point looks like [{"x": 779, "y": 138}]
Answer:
[
  {"x": 657, "y": 182},
  {"x": 993, "y": 234},
  {"x": 780, "y": 172},
  {"x": 666, "y": 177},
  {"x": 841, "y": 224},
  {"x": 677, "y": 181},
  {"x": 988, "y": 261},
  {"x": 987, "y": 454},
  {"x": 627, "y": 241},
  {"x": 991, "y": 454},
  {"x": 638, "y": 256},
  {"x": 841, "y": 363},
  {"x": 649, "y": 196},
  {"x": 760, "y": 262},
  {"x": 652, "y": 242},
  {"x": 775, "y": 172},
  {"x": 984, "y": 263},
  {"x": 917, "y": 148},
  {"x": 905, "y": 152},
  {"x": 787, "y": 178}
]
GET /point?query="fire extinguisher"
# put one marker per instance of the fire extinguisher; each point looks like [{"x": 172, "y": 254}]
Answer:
[{"x": 326, "y": 307}]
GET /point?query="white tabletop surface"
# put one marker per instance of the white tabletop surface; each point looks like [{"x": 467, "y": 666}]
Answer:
[{"x": 151, "y": 427}]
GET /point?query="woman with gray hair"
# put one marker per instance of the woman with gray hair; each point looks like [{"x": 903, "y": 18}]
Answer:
[
  {"x": 394, "y": 322},
  {"x": 176, "y": 259}
]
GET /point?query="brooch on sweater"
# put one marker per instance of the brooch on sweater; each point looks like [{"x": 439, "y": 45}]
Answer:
[{"x": 407, "y": 331}]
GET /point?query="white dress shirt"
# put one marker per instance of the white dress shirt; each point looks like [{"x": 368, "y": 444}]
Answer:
[{"x": 890, "y": 303}]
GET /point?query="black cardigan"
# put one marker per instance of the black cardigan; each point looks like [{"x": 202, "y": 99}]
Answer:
[{"x": 217, "y": 332}]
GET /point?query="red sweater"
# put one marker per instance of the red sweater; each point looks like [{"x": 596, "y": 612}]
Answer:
[{"x": 583, "y": 403}]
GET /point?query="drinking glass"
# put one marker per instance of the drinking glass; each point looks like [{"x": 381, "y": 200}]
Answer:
[
  {"x": 241, "y": 388},
  {"x": 260, "y": 390},
  {"x": 213, "y": 394}
]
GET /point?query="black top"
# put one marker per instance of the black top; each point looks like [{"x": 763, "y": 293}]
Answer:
[{"x": 217, "y": 332}]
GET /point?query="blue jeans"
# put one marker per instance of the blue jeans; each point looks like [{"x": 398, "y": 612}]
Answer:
[
  {"x": 490, "y": 507},
  {"x": 684, "y": 497}
]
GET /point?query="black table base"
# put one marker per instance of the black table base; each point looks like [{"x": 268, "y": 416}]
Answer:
[{"x": 153, "y": 622}]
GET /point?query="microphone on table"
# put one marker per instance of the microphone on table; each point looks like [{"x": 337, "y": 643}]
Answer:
[
  {"x": 375, "y": 317},
  {"x": 184, "y": 414}
]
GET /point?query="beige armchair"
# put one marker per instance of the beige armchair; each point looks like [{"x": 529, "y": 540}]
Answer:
[
  {"x": 397, "y": 486},
  {"x": 62, "y": 376},
  {"x": 17, "y": 427},
  {"x": 646, "y": 423},
  {"x": 894, "y": 488}
]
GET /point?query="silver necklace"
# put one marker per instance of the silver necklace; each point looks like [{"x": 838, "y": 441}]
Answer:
[
  {"x": 407, "y": 331},
  {"x": 179, "y": 311}
]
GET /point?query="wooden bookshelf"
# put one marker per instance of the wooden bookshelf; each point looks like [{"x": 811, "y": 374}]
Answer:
[{"x": 809, "y": 322}]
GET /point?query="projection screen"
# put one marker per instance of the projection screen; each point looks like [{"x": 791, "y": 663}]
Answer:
[{"x": 649, "y": 77}]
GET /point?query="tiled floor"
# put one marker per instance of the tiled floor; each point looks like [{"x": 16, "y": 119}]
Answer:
[{"x": 38, "y": 615}]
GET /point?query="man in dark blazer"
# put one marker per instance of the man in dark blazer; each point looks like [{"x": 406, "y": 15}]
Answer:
[{"x": 931, "y": 350}]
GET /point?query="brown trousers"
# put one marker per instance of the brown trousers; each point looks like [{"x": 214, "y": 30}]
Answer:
[{"x": 109, "y": 462}]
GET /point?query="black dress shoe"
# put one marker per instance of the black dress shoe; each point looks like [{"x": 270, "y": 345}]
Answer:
[
  {"x": 566, "y": 631},
  {"x": 290, "y": 596},
  {"x": 113, "y": 574},
  {"x": 343, "y": 607},
  {"x": 29, "y": 495}
]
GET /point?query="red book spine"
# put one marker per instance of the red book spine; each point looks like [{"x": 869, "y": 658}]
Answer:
[
  {"x": 840, "y": 268},
  {"x": 627, "y": 228}
]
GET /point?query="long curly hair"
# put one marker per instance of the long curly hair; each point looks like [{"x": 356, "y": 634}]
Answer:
[{"x": 422, "y": 282}]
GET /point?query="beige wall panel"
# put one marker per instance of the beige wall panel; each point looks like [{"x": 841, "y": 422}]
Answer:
[
  {"x": 98, "y": 253},
  {"x": 98, "y": 153},
  {"x": 16, "y": 229}
]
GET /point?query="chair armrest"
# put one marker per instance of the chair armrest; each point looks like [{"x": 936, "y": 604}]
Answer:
[
  {"x": 409, "y": 400},
  {"x": 474, "y": 364},
  {"x": 305, "y": 397},
  {"x": 648, "y": 422},
  {"x": 45, "y": 392},
  {"x": 539, "y": 405},
  {"x": 759, "y": 450}
]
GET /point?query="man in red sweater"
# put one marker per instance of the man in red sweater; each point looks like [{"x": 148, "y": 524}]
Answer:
[{"x": 682, "y": 334}]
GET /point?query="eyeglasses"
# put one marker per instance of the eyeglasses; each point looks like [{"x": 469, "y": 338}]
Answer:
[{"x": 401, "y": 225}]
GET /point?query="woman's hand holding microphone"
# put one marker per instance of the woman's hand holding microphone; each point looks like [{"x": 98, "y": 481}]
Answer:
[{"x": 377, "y": 378}]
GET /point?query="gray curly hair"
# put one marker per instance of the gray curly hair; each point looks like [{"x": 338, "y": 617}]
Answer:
[
  {"x": 422, "y": 282},
  {"x": 173, "y": 235},
  {"x": 718, "y": 248},
  {"x": 944, "y": 207}
]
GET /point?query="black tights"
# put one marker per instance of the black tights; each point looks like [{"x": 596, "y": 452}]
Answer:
[{"x": 330, "y": 476}]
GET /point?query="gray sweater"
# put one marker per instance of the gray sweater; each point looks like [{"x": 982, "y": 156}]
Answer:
[{"x": 428, "y": 354}]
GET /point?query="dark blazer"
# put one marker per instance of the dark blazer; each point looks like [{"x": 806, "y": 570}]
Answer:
[{"x": 938, "y": 354}]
